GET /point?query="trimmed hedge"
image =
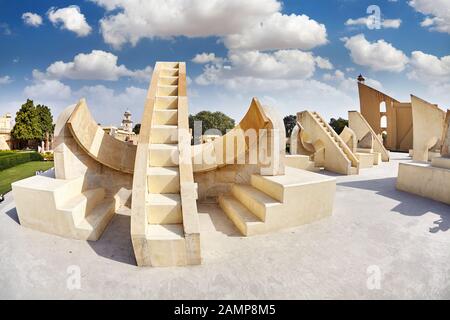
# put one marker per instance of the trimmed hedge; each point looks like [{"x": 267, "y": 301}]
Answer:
[{"x": 8, "y": 161}]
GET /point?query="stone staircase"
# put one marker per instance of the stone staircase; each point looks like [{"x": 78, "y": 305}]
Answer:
[
  {"x": 164, "y": 201},
  {"x": 66, "y": 210},
  {"x": 270, "y": 203},
  {"x": 163, "y": 241},
  {"x": 338, "y": 152}
]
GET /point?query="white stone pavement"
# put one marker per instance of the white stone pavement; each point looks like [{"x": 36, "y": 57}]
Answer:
[{"x": 373, "y": 227}]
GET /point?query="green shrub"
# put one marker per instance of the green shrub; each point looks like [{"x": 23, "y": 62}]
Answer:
[
  {"x": 15, "y": 158},
  {"x": 48, "y": 156}
]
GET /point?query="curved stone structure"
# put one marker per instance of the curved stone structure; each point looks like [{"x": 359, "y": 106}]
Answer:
[
  {"x": 102, "y": 147},
  {"x": 362, "y": 129},
  {"x": 82, "y": 199},
  {"x": 213, "y": 155},
  {"x": 428, "y": 122}
]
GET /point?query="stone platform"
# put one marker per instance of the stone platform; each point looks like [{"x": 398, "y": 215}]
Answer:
[
  {"x": 429, "y": 180},
  {"x": 373, "y": 225}
]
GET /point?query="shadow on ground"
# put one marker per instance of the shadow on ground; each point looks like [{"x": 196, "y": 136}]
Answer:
[
  {"x": 410, "y": 204},
  {"x": 115, "y": 243},
  {"x": 12, "y": 213},
  {"x": 219, "y": 220}
]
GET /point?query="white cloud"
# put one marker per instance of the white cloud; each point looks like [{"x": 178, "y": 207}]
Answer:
[
  {"x": 70, "y": 18},
  {"x": 96, "y": 65},
  {"x": 371, "y": 23},
  {"x": 437, "y": 14},
  {"x": 279, "y": 31},
  {"x": 143, "y": 75},
  {"x": 348, "y": 84},
  {"x": 202, "y": 58},
  {"x": 5, "y": 80},
  {"x": 106, "y": 104},
  {"x": 48, "y": 90},
  {"x": 281, "y": 64},
  {"x": 245, "y": 25},
  {"x": 287, "y": 96},
  {"x": 132, "y": 20},
  {"x": 379, "y": 55},
  {"x": 324, "y": 63},
  {"x": 429, "y": 68},
  {"x": 32, "y": 19}
]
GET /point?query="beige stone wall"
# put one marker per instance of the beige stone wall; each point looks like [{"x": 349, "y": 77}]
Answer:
[
  {"x": 445, "y": 152},
  {"x": 212, "y": 184},
  {"x": 71, "y": 161},
  {"x": 398, "y": 115}
]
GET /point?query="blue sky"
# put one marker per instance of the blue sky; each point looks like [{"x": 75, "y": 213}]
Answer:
[{"x": 293, "y": 55}]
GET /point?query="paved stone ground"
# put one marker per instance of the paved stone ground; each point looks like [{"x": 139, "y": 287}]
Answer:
[{"x": 373, "y": 227}]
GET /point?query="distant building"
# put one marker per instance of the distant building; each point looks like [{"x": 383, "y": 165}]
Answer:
[
  {"x": 5, "y": 132},
  {"x": 125, "y": 131},
  {"x": 127, "y": 123}
]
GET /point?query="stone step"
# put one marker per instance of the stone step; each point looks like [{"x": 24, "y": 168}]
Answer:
[
  {"x": 98, "y": 219},
  {"x": 168, "y": 81},
  {"x": 247, "y": 223},
  {"x": 163, "y": 180},
  {"x": 164, "y": 134},
  {"x": 166, "y": 103},
  {"x": 165, "y": 116},
  {"x": 167, "y": 90},
  {"x": 258, "y": 202},
  {"x": 82, "y": 204},
  {"x": 164, "y": 208},
  {"x": 164, "y": 155},
  {"x": 169, "y": 72},
  {"x": 167, "y": 245}
]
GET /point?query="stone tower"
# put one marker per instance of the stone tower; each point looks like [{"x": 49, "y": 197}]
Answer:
[{"x": 127, "y": 123}]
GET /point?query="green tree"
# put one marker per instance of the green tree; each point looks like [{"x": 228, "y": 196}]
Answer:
[
  {"x": 289, "y": 123},
  {"x": 26, "y": 125},
  {"x": 137, "y": 128},
  {"x": 45, "y": 121},
  {"x": 212, "y": 120},
  {"x": 338, "y": 124},
  {"x": 32, "y": 123}
]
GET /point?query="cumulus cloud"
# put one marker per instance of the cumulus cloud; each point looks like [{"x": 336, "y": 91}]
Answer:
[
  {"x": 5, "y": 80},
  {"x": 202, "y": 58},
  {"x": 132, "y": 20},
  {"x": 48, "y": 90},
  {"x": 323, "y": 63},
  {"x": 371, "y": 23},
  {"x": 437, "y": 14},
  {"x": 106, "y": 104},
  {"x": 279, "y": 31},
  {"x": 32, "y": 19},
  {"x": 246, "y": 25},
  {"x": 281, "y": 64},
  {"x": 348, "y": 84},
  {"x": 96, "y": 65},
  {"x": 379, "y": 55},
  {"x": 427, "y": 67},
  {"x": 70, "y": 18}
]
